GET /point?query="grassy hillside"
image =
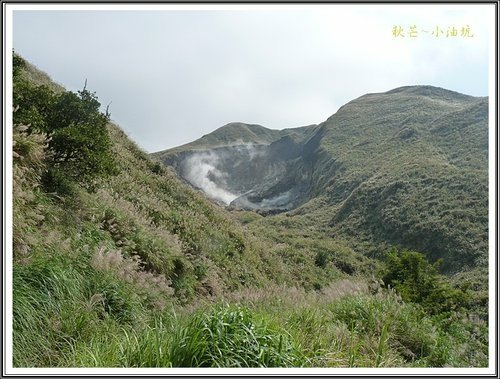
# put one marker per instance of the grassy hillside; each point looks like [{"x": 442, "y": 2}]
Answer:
[
  {"x": 237, "y": 133},
  {"x": 136, "y": 269},
  {"x": 410, "y": 167},
  {"x": 405, "y": 168}
]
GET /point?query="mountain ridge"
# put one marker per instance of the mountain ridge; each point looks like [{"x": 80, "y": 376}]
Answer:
[
  {"x": 140, "y": 270},
  {"x": 408, "y": 139},
  {"x": 237, "y": 133}
]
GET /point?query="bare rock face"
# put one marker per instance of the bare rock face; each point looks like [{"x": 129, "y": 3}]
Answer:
[{"x": 273, "y": 176}]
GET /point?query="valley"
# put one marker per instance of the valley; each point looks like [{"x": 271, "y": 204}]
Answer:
[
  {"x": 408, "y": 167},
  {"x": 358, "y": 242}
]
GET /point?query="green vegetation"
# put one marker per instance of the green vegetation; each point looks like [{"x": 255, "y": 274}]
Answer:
[
  {"x": 405, "y": 168},
  {"x": 139, "y": 270},
  {"x": 236, "y": 133},
  {"x": 231, "y": 337},
  {"x": 417, "y": 281},
  {"x": 408, "y": 179},
  {"x": 79, "y": 147}
]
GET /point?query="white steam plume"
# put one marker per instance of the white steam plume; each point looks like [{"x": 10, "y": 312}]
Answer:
[{"x": 199, "y": 171}]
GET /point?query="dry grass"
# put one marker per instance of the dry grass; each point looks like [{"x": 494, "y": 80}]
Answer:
[{"x": 154, "y": 285}]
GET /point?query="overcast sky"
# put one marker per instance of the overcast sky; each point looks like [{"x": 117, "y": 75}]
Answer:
[{"x": 175, "y": 75}]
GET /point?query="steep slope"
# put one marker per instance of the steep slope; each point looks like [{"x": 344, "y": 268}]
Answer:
[
  {"x": 143, "y": 212},
  {"x": 407, "y": 167},
  {"x": 135, "y": 244},
  {"x": 139, "y": 270},
  {"x": 248, "y": 166}
]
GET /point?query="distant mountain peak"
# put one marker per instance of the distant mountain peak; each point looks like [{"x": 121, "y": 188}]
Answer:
[{"x": 430, "y": 91}]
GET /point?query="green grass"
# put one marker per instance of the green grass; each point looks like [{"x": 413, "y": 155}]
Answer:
[
  {"x": 144, "y": 272},
  {"x": 77, "y": 320},
  {"x": 69, "y": 314},
  {"x": 231, "y": 336},
  {"x": 405, "y": 168}
]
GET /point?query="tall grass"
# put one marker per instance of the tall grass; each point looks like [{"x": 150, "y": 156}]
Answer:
[
  {"x": 67, "y": 313},
  {"x": 117, "y": 278},
  {"x": 229, "y": 336}
]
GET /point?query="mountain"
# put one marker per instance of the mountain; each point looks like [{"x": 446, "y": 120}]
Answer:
[
  {"x": 125, "y": 265},
  {"x": 103, "y": 260},
  {"x": 248, "y": 165},
  {"x": 407, "y": 168},
  {"x": 238, "y": 133}
]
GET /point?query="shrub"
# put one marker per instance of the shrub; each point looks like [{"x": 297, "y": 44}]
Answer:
[
  {"x": 321, "y": 259},
  {"x": 79, "y": 145},
  {"x": 82, "y": 152},
  {"x": 18, "y": 64},
  {"x": 32, "y": 104},
  {"x": 418, "y": 281}
]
